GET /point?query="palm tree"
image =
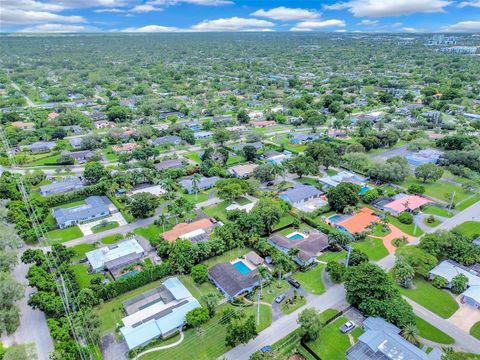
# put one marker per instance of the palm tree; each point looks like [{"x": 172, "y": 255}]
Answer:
[
  {"x": 162, "y": 220},
  {"x": 195, "y": 180},
  {"x": 410, "y": 333}
]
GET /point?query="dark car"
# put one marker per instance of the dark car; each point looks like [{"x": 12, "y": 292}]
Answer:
[
  {"x": 347, "y": 327},
  {"x": 293, "y": 282},
  {"x": 280, "y": 298},
  {"x": 266, "y": 348},
  {"x": 270, "y": 183}
]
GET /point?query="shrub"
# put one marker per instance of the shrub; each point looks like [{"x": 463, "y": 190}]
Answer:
[
  {"x": 439, "y": 282},
  {"x": 199, "y": 273},
  {"x": 405, "y": 218},
  {"x": 400, "y": 241},
  {"x": 336, "y": 271},
  {"x": 416, "y": 189}
]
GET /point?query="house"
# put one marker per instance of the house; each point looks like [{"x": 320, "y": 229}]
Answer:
[
  {"x": 165, "y": 114},
  {"x": 275, "y": 157},
  {"x": 194, "y": 125},
  {"x": 61, "y": 187},
  {"x": 255, "y": 114},
  {"x": 169, "y": 164},
  {"x": 471, "y": 116},
  {"x": 239, "y": 128},
  {"x": 156, "y": 190},
  {"x": 300, "y": 194},
  {"x": 40, "y": 147},
  {"x": 157, "y": 313},
  {"x": 23, "y": 125},
  {"x": 239, "y": 147},
  {"x": 102, "y": 124},
  {"x": 448, "y": 269},
  {"x": 76, "y": 129},
  {"x": 195, "y": 231},
  {"x": 403, "y": 202},
  {"x": 309, "y": 246},
  {"x": 242, "y": 171},
  {"x": 81, "y": 156},
  {"x": 201, "y": 135},
  {"x": 204, "y": 183},
  {"x": 262, "y": 124},
  {"x": 358, "y": 222},
  {"x": 130, "y": 103},
  {"x": 235, "y": 278},
  {"x": 115, "y": 256},
  {"x": 175, "y": 140},
  {"x": 342, "y": 176},
  {"x": 83, "y": 102},
  {"x": 52, "y": 116},
  {"x": 382, "y": 340},
  {"x": 76, "y": 142},
  {"x": 95, "y": 207},
  {"x": 297, "y": 138},
  {"x": 124, "y": 148}
]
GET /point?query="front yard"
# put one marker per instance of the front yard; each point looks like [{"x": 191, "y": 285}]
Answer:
[
  {"x": 63, "y": 235},
  {"x": 430, "y": 332},
  {"x": 104, "y": 226},
  {"x": 373, "y": 247},
  {"x": 470, "y": 229},
  {"x": 311, "y": 280}
]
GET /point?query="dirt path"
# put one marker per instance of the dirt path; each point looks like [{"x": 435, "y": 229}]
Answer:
[{"x": 162, "y": 347}]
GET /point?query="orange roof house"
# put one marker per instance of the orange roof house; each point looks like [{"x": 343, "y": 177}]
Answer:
[
  {"x": 53, "y": 115},
  {"x": 406, "y": 203},
  {"x": 23, "y": 125},
  {"x": 196, "y": 229},
  {"x": 359, "y": 222},
  {"x": 124, "y": 147},
  {"x": 263, "y": 123}
]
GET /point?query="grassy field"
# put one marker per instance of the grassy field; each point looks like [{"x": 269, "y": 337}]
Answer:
[
  {"x": 468, "y": 202},
  {"x": 196, "y": 198},
  {"x": 82, "y": 276},
  {"x": 151, "y": 232},
  {"x": 436, "y": 300},
  {"x": 232, "y": 160},
  {"x": 289, "y": 308},
  {"x": 441, "y": 190},
  {"x": 81, "y": 249},
  {"x": 435, "y": 222},
  {"x": 198, "y": 290},
  {"x": 311, "y": 280},
  {"x": 331, "y": 343},
  {"x": 284, "y": 221},
  {"x": 430, "y": 332},
  {"x": 104, "y": 227},
  {"x": 46, "y": 160},
  {"x": 63, "y": 235},
  {"x": 227, "y": 256},
  {"x": 71, "y": 204},
  {"x": 331, "y": 256},
  {"x": 406, "y": 228},
  {"x": 475, "y": 330},
  {"x": 193, "y": 156},
  {"x": 380, "y": 231},
  {"x": 373, "y": 247},
  {"x": 308, "y": 181},
  {"x": 112, "y": 239},
  {"x": 469, "y": 228},
  {"x": 217, "y": 211},
  {"x": 436, "y": 210}
]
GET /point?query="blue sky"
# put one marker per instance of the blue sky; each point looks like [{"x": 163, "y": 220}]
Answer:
[{"x": 239, "y": 15}]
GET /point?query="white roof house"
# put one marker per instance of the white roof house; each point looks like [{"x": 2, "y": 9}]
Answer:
[{"x": 116, "y": 255}]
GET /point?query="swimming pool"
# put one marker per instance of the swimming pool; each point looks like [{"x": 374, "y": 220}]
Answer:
[
  {"x": 130, "y": 273},
  {"x": 363, "y": 190},
  {"x": 335, "y": 218},
  {"x": 295, "y": 236},
  {"x": 241, "y": 267}
]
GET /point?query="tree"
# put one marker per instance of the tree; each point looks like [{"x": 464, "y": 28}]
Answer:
[
  {"x": 336, "y": 271},
  {"x": 421, "y": 261},
  {"x": 428, "y": 171},
  {"x": 10, "y": 292},
  {"x": 211, "y": 302},
  {"x": 93, "y": 172},
  {"x": 195, "y": 180},
  {"x": 343, "y": 195},
  {"x": 20, "y": 352},
  {"x": 221, "y": 136},
  {"x": 404, "y": 273},
  {"x": 405, "y": 218},
  {"x": 339, "y": 239},
  {"x": 310, "y": 324},
  {"x": 242, "y": 117},
  {"x": 199, "y": 273},
  {"x": 197, "y": 316},
  {"x": 357, "y": 257},
  {"x": 118, "y": 113},
  {"x": 249, "y": 152},
  {"x": 264, "y": 173},
  {"x": 302, "y": 165},
  {"x": 459, "y": 283},
  {"x": 143, "y": 204},
  {"x": 229, "y": 189},
  {"x": 240, "y": 331},
  {"x": 268, "y": 212},
  {"x": 439, "y": 282},
  {"x": 65, "y": 160},
  {"x": 410, "y": 333}
]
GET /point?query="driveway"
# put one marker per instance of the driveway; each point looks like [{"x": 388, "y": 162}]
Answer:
[
  {"x": 465, "y": 317},
  {"x": 86, "y": 228},
  {"x": 394, "y": 233}
]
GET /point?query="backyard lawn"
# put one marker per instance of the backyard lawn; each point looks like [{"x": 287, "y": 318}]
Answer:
[
  {"x": 331, "y": 256},
  {"x": 112, "y": 239},
  {"x": 308, "y": 181},
  {"x": 227, "y": 256},
  {"x": 151, "y": 232},
  {"x": 284, "y": 221},
  {"x": 194, "y": 156},
  {"x": 63, "y": 235},
  {"x": 311, "y": 280},
  {"x": 475, "y": 330},
  {"x": 82, "y": 276},
  {"x": 373, "y": 247},
  {"x": 217, "y": 211},
  {"x": 331, "y": 343},
  {"x": 469, "y": 228},
  {"x": 430, "y": 332},
  {"x": 198, "y": 290},
  {"x": 81, "y": 249},
  {"x": 71, "y": 204},
  {"x": 105, "y": 226},
  {"x": 436, "y": 300}
]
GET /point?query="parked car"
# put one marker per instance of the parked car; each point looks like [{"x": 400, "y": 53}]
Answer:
[
  {"x": 270, "y": 183},
  {"x": 266, "y": 348},
  {"x": 280, "y": 298},
  {"x": 293, "y": 282},
  {"x": 347, "y": 327}
]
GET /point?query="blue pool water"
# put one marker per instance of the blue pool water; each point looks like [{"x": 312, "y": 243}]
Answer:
[
  {"x": 335, "y": 218},
  {"x": 296, "y": 237},
  {"x": 363, "y": 190},
  {"x": 126, "y": 275},
  {"x": 241, "y": 267}
]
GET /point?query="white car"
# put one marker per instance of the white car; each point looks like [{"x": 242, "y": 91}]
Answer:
[{"x": 347, "y": 327}]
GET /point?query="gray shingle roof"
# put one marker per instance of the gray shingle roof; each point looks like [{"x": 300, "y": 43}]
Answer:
[
  {"x": 61, "y": 187},
  {"x": 300, "y": 193},
  {"x": 203, "y": 183},
  {"x": 94, "y": 206},
  {"x": 169, "y": 164},
  {"x": 309, "y": 247},
  {"x": 231, "y": 280}
]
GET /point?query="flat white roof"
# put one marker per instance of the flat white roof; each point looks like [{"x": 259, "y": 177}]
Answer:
[{"x": 98, "y": 257}]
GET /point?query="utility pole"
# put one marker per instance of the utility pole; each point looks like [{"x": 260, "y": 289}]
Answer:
[
  {"x": 451, "y": 201},
  {"x": 349, "y": 249}
]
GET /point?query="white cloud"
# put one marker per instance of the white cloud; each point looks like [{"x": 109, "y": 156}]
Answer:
[
  {"x": 396, "y": 25},
  {"x": 341, "y": 31},
  {"x": 192, "y": 2},
  {"x": 144, "y": 8},
  {"x": 232, "y": 24},
  {"x": 284, "y": 13},
  {"x": 11, "y": 16},
  {"x": 310, "y": 25},
  {"x": 110, "y": 10},
  {"x": 368, "y": 22},
  {"x": 463, "y": 26},
  {"x": 411, "y": 29},
  {"x": 384, "y": 8},
  {"x": 54, "y": 28},
  {"x": 77, "y": 4},
  {"x": 151, "y": 29},
  {"x": 31, "y": 5},
  {"x": 469, "y": 3}
]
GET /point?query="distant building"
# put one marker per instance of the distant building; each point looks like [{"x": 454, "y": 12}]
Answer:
[
  {"x": 358, "y": 222},
  {"x": 195, "y": 231},
  {"x": 52, "y": 116},
  {"x": 201, "y": 135},
  {"x": 309, "y": 246},
  {"x": 262, "y": 124},
  {"x": 157, "y": 313},
  {"x": 239, "y": 147},
  {"x": 275, "y": 157},
  {"x": 342, "y": 176},
  {"x": 124, "y": 148},
  {"x": 102, "y": 124},
  {"x": 382, "y": 341},
  {"x": 242, "y": 171},
  {"x": 23, "y": 125},
  {"x": 175, "y": 140},
  {"x": 76, "y": 142},
  {"x": 81, "y": 156},
  {"x": 40, "y": 146},
  {"x": 403, "y": 202},
  {"x": 204, "y": 183},
  {"x": 95, "y": 207},
  {"x": 297, "y": 138},
  {"x": 169, "y": 164},
  {"x": 61, "y": 187},
  {"x": 300, "y": 194}
]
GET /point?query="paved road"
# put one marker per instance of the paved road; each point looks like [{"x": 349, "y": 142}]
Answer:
[
  {"x": 333, "y": 298},
  {"x": 30, "y": 103},
  {"x": 33, "y": 326}
]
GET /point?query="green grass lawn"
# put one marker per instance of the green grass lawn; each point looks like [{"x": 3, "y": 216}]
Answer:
[
  {"x": 472, "y": 199},
  {"x": 308, "y": 181},
  {"x": 331, "y": 343},
  {"x": 380, "y": 230},
  {"x": 311, "y": 280},
  {"x": 82, "y": 276},
  {"x": 475, "y": 330},
  {"x": 112, "y": 239},
  {"x": 332, "y": 256},
  {"x": 439, "y": 189},
  {"x": 373, "y": 247},
  {"x": 151, "y": 232},
  {"x": 435, "y": 222},
  {"x": 331, "y": 172},
  {"x": 436, "y": 300},
  {"x": 406, "y": 228},
  {"x": 104, "y": 227},
  {"x": 46, "y": 160},
  {"x": 232, "y": 160},
  {"x": 284, "y": 221},
  {"x": 71, "y": 204},
  {"x": 226, "y": 257},
  {"x": 217, "y": 211},
  {"x": 196, "y": 198},
  {"x": 80, "y": 250},
  {"x": 274, "y": 289},
  {"x": 469, "y": 228},
  {"x": 63, "y": 235},
  {"x": 289, "y": 308},
  {"x": 430, "y": 332},
  {"x": 242, "y": 201},
  {"x": 194, "y": 156},
  {"x": 198, "y": 290},
  {"x": 436, "y": 210}
]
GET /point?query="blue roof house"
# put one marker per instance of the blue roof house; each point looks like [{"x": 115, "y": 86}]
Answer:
[{"x": 95, "y": 207}]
